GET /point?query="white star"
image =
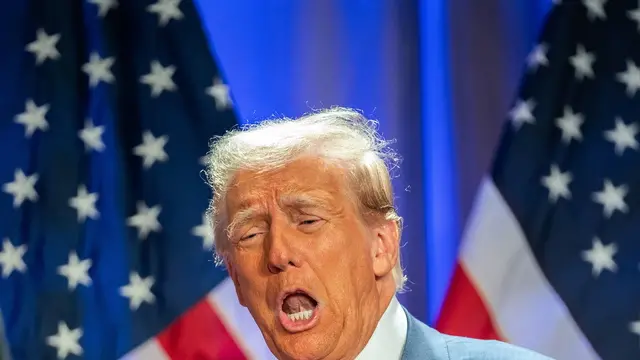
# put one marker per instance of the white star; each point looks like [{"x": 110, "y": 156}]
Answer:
[
  {"x": 85, "y": 204},
  {"x": 159, "y": 79},
  {"x": 91, "y": 136},
  {"x": 151, "y": 149},
  {"x": 66, "y": 341},
  {"x": 623, "y": 136},
  {"x": 166, "y": 10},
  {"x": 557, "y": 183},
  {"x": 612, "y": 198},
  {"x": 145, "y": 220},
  {"x": 220, "y": 93},
  {"x": 538, "y": 57},
  {"x": 630, "y": 78},
  {"x": 138, "y": 290},
  {"x": 99, "y": 69},
  {"x": 634, "y": 327},
  {"x": 569, "y": 124},
  {"x": 22, "y": 188},
  {"x": 204, "y": 231},
  {"x": 582, "y": 62},
  {"x": 76, "y": 271},
  {"x": 601, "y": 257},
  {"x": 522, "y": 113},
  {"x": 595, "y": 9},
  {"x": 203, "y": 160},
  {"x": 33, "y": 118},
  {"x": 104, "y": 6},
  {"x": 634, "y": 15},
  {"x": 44, "y": 47},
  {"x": 556, "y": 2},
  {"x": 11, "y": 258}
]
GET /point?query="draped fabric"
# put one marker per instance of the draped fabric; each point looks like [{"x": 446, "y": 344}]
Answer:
[
  {"x": 549, "y": 258},
  {"x": 105, "y": 115}
]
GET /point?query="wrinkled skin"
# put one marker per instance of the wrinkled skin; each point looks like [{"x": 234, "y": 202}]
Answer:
[{"x": 322, "y": 244}]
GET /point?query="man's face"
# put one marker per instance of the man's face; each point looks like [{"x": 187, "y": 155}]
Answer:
[{"x": 304, "y": 261}]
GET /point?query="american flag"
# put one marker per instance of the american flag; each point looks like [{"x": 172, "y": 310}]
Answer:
[
  {"x": 550, "y": 257},
  {"x": 106, "y": 114}
]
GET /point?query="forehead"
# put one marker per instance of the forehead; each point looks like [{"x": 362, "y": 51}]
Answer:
[{"x": 303, "y": 180}]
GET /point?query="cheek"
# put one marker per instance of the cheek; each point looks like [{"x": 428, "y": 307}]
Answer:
[
  {"x": 346, "y": 254},
  {"x": 250, "y": 278},
  {"x": 255, "y": 295},
  {"x": 254, "y": 291}
]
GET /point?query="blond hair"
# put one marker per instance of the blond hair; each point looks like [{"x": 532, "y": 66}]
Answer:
[{"x": 338, "y": 135}]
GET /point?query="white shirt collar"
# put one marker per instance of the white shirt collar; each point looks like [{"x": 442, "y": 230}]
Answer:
[{"x": 387, "y": 341}]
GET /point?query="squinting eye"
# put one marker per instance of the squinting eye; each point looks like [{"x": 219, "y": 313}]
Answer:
[
  {"x": 310, "y": 223},
  {"x": 249, "y": 236}
]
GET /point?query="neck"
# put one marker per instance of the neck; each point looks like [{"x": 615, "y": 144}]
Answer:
[{"x": 371, "y": 310}]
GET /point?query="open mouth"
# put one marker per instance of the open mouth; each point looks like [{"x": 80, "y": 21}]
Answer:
[{"x": 298, "y": 311}]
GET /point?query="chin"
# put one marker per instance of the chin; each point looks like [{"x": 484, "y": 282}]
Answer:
[
  {"x": 302, "y": 347},
  {"x": 313, "y": 344}
]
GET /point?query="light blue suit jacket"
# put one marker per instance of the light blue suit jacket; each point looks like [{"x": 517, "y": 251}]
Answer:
[{"x": 425, "y": 343}]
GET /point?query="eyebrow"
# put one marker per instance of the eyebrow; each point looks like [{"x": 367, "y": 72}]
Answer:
[
  {"x": 241, "y": 217},
  {"x": 305, "y": 200}
]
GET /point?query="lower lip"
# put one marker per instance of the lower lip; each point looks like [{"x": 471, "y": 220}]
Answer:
[{"x": 295, "y": 326}]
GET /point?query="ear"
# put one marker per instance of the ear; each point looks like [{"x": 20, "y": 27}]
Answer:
[
  {"x": 234, "y": 277},
  {"x": 386, "y": 246}
]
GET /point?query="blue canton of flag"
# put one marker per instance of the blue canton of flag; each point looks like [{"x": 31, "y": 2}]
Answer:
[
  {"x": 106, "y": 112},
  {"x": 572, "y": 140}
]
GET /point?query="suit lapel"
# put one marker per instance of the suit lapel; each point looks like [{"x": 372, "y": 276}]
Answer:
[{"x": 423, "y": 342}]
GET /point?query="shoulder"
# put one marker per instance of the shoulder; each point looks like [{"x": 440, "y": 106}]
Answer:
[
  {"x": 424, "y": 341},
  {"x": 461, "y": 348}
]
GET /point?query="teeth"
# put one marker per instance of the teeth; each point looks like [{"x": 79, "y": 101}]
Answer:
[{"x": 302, "y": 315}]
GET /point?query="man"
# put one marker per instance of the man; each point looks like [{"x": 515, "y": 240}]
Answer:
[{"x": 306, "y": 226}]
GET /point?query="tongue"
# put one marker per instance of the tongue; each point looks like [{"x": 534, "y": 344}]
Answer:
[{"x": 296, "y": 303}]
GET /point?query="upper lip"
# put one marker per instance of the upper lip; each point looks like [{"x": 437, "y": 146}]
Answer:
[{"x": 287, "y": 292}]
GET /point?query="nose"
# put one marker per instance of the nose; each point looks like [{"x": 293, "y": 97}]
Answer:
[{"x": 281, "y": 255}]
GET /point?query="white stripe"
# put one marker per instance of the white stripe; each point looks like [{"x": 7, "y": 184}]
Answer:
[
  {"x": 523, "y": 304},
  {"x": 149, "y": 350},
  {"x": 238, "y": 321}
]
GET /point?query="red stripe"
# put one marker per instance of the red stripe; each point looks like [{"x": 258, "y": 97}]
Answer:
[
  {"x": 464, "y": 312},
  {"x": 200, "y": 334}
]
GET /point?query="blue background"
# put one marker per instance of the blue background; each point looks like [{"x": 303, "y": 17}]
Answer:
[{"x": 438, "y": 75}]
